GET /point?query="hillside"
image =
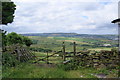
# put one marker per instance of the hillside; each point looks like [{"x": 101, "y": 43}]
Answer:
[{"x": 110, "y": 37}]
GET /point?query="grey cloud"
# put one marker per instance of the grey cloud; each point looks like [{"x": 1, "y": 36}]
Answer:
[{"x": 59, "y": 17}]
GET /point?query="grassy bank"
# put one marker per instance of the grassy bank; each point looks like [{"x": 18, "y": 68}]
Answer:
[
  {"x": 32, "y": 71},
  {"x": 26, "y": 70}
]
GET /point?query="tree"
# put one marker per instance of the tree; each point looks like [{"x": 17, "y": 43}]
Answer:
[
  {"x": 27, "y": 41},
  {"x": 14, "y": 38},
  {"x": 8, "y": 9}
]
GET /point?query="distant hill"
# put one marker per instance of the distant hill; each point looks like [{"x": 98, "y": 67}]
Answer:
[{"x": 110, "y": 37}]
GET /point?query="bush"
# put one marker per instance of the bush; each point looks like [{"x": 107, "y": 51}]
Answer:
[
  {"x": 27, "y": 41},
  {"x": 14, "y": 38},
  {"x": 9, "y": 60}
]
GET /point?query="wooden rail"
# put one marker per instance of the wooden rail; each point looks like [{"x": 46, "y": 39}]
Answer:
[
  {"x": 65, "y": 54},
  {"x": 94, "y": 60},
  {"x": 21, "y": 53}
]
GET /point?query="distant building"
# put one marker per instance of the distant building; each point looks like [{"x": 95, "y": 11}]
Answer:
[
  {"x": 106, "y": 45},
  {"x": 116, "y": 39}
]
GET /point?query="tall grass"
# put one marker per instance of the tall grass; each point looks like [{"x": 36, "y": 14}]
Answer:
[
  {"x": 26, "y": 70},
  {"x": 31, "y": 71}
]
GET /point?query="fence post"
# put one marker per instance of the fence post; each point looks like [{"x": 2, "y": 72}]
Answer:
[
  {"x": 47, "y": 57},
  {"x": 63, "y": 51},
  {"x": 18, "y": 54},
  {"x": 74, "y": 48},
  {"x": 74, "y": 53}
]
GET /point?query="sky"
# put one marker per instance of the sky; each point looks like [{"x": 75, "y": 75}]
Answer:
[{"x": 66, "y": 16}]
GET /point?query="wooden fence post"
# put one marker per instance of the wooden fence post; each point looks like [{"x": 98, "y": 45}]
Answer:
[
  {"x": 18, "y": 54},
  {"x": 47, "y": 57},
  {"x": 64, "y": 51},
  {"x": 74, "y": 53},
  {"x": 74, "y": 48}
]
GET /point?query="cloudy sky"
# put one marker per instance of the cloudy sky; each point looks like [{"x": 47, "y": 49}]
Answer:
[{"x": 88, "y": 17}]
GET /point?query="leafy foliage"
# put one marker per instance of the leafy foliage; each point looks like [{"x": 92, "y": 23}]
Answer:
[
  {"x": 14, "y": 38},
  {"x": 9, "y": 60},
  {"x": 8, "y": 9},
  {"x": 27, "y": 41}
]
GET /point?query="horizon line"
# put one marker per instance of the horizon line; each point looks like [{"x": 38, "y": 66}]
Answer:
[{"x": 68, "y": 33}]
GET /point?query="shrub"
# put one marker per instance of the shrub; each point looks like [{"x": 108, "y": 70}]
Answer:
[
  {"x": 9, "y": 60},
  {"x": 14, "y": 38},
  {"x": 27, "y": 41}
]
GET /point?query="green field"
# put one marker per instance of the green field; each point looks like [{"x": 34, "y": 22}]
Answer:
[{"x": 55, "y": 43}]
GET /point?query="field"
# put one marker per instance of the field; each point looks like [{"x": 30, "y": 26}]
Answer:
[
  {"x": 55, "y": 43},
  {"x": 47, "y": 46}
]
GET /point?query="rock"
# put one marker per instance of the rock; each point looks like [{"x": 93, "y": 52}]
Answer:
[{"x": 101, "y": 75}]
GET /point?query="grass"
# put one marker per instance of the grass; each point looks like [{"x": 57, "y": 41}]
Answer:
[
  {"x": 32, "y": 71},
  {"x": 40, "y": 54},
  {"x": 99, "y": 49},
  {"x": 54, "y": 59},
  {"x": 26, "y": 70}
]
